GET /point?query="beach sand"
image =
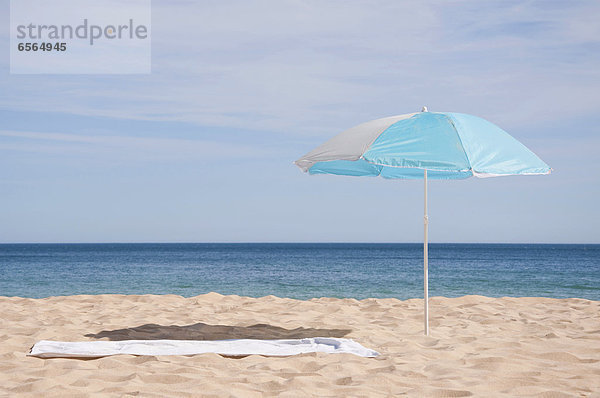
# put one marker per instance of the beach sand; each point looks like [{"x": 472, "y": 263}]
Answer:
[{"x": 479, "y": 346}]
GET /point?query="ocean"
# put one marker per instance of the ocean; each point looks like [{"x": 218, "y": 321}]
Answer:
[{"x": 300, "y": 270}]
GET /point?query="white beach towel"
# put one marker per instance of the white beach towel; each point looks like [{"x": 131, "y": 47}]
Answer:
[{"x": 240, "y": 347}]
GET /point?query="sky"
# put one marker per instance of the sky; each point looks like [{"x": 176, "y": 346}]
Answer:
[{"x": 202, "y": 149}]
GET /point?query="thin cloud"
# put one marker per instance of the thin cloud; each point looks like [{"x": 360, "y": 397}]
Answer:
[
  {"x": 314, "y": 68},
  {"x": 133, "y": 148}
]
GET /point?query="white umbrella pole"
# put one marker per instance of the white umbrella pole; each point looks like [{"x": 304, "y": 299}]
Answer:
[{"x": 425, "y": 262}]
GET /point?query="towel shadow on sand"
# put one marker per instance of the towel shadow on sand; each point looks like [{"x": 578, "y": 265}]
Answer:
[{"x": 203, "y": 331}]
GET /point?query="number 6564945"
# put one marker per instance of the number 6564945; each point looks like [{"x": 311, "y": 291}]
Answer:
[{"x": 42, "y": 46}]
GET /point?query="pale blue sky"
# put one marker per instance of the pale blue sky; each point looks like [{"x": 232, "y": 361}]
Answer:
[{"x": 201, "y": 150}]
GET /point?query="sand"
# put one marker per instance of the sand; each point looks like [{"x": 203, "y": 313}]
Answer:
[{"x": 479, "y": 346}]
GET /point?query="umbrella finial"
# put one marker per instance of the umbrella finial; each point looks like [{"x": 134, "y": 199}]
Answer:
[{"x": 424, "y": 109}]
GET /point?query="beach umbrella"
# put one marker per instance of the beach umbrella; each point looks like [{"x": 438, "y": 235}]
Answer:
[{"x": 424, "y": 145}]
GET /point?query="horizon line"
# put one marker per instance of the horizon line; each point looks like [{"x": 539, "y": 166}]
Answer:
[{"x": 291, "y": 242}]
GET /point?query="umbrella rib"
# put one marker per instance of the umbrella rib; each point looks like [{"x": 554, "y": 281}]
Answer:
[{"x": 462, "y": 145}]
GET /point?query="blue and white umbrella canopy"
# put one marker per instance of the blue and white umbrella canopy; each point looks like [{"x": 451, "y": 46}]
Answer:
[
  {"x": 447, "y": 145},
  {"x": 438, "y": 145}
]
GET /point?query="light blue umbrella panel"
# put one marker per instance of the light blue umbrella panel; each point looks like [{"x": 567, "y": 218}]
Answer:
[{"x": 434, "y": 145}]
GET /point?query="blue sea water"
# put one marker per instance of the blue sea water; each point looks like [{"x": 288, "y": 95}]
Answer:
[{"x": 300, "y": 270}]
